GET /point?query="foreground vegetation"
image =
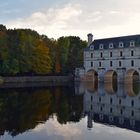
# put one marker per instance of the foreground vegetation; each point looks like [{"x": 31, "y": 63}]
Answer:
[{"x": 25, "y": 52}]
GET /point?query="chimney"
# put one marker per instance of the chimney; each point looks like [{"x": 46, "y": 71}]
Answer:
[{"x": 90, "y": 38}]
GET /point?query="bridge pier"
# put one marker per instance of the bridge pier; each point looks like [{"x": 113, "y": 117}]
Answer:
[{"x": 121, "y": 75}]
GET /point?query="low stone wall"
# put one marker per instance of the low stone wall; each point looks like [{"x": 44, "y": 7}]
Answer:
[
  {"x": 35, "y": 81},
  {"x": 24, "y": 79}
]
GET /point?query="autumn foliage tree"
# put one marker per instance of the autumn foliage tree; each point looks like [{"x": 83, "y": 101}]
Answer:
[{"x": 25, "y": 52}]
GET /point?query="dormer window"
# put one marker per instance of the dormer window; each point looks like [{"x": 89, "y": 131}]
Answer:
[
  {"x": 110, "y": 45},
  {"x": 121, "y": 44},
  {"x": 132, "y": 43},
  {"x": 91, "y": 47},
  {"x": 101, "y": 46}
]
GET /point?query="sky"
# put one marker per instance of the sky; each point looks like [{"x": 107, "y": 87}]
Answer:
[{"x": 56, "y": 18}]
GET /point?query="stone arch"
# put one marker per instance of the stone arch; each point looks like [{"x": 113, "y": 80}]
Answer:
[
  {"x": 110, "y": 76},
  {"x": 91, "y": 75},
  {"x": 91, "y": 86},
  {"x": 132, "y": 89},
  {"x": 110, "y": 88},
  {"x": 131, "y": 76}
]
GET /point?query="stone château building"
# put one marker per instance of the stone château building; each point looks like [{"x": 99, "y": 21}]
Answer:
[{"x": 109, "y": 58}]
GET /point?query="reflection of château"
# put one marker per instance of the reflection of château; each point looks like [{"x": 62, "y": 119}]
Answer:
[
  {"x": 105, "y": 59},
  {"x": 113, "y": 105}
]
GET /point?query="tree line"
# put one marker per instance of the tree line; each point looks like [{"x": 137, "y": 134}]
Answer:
[{"x": 25, "y": 52}]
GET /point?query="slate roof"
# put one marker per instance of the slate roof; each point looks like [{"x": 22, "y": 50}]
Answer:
[{"x": 115, "y": 40}]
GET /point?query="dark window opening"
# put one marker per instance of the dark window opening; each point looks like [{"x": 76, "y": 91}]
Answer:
[
  {"x": 91, "y": 98},
  {"x": 132, "y": 103},
  {"x": 132, "y": 63},
  {"x": 132, "y": 113},
  {"x": 120, "y": 101},
  {"x": 99, "y": 99},
  {"x": 110, "y": 54},
  {"x": 121, "y": 53},
  {"x": 132, "y": 53},
  {"x": 120, "y": 64},
  {"x": 110, "y": 63},
  {"x": 121, "y": 111},
  {"x": 91, "y": 64},
  {"x": 100, "y": 64},
  {"x": 110, "y": 110},
  {"x": 91, "y": 55},
  {"x": 110, "y": 100},
  {"x": 101, "y": 54}
]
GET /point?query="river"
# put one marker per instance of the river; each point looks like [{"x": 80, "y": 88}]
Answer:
[{"x": 80, "y": 111}]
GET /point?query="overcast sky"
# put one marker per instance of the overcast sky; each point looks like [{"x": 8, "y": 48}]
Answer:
[{"x": 55, "y": 18}]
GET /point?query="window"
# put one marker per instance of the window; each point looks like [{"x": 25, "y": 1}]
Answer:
[
  {"x": 91, "y": 47},
  {"x": 99, "y": 99},
  {"x": 110, "y": 63},
  {"x": 132, "y": 63},
  {"x": 110, "y": 45},
  {"x": 120, "y": 64},
  {"x": 132, "y": 53},
  {"x": 132, "y": 113},
  {"x": 132, "y": 44},
  {"x": 101, "y": 54},
  {"x": 121, "y": 111},
  {"x": 91, "y": 107},
  {"x": 110, "y": 110},
  {"x": 100, "y": 64},
  {"x": 110, "y": 54},
  {"x": 91, "y": 64},
  {"x": 132, "y": 103},
  {"x": 110, "y": 100},
  {"x": 101, "y": 108},
  {"x": 91, "y": 98},
  {"x": 91, "y": 55},
  {"x": 121, "y": 45},
  {"x": 120, "y": 101},
  {"x": 101, "y": 46},
  {"x": 121, "y": 53}
]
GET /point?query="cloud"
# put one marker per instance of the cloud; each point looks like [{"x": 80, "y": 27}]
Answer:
[
  {"x": 54, "y": 21},
  {"x": 52, "y": 127},
  {"x": 104, "y": 18}
]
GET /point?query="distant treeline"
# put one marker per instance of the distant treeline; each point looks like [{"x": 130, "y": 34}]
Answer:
[{"x": 25, "y": 52}]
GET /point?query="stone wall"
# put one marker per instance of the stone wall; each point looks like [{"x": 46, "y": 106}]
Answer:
[{"x": 36, "y": 79}]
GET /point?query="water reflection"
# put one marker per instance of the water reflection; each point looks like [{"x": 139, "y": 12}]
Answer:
[
  {"x": 36, "y": 109},
  {"x": 115, "y": 106},
  {"x": 24, "y": 109}
]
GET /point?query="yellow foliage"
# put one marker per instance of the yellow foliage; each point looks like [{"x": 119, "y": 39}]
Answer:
[{"x": 41, "y": 61}]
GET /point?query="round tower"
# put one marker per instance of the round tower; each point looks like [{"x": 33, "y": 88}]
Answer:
[{"x": 90, "y": 38}]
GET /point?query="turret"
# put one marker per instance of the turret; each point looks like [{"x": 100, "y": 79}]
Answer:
[{"x": 90, "y": 38}]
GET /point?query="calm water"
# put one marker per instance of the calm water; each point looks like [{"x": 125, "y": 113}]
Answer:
[{"x": 83, "y": 111}]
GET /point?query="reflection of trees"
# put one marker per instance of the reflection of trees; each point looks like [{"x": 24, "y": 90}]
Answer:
[
  {"x": 69, "y": 106},
  {"x": 21, "y": 110}
]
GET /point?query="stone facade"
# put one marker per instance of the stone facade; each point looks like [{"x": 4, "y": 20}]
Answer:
[{"x": 120, "y": 55}]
